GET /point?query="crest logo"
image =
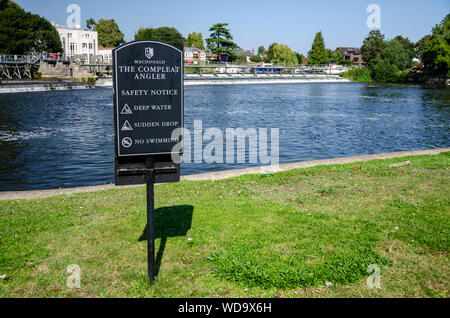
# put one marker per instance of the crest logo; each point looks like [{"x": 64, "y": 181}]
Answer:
[{"x": 149, "y": 52}]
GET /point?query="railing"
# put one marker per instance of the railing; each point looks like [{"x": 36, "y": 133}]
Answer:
[
  {"x": 7, "y": 58},
  {"x": 267, "y": 69}
]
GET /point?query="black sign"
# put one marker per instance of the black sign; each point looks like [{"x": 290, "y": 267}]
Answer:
[
  {"x": 148, "y": 93},
  {"x": 148, "y": 108}
]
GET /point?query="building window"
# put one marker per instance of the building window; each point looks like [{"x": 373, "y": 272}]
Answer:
[
  {"x": 84, "y": 46},
  {"x": 69, "y": 35},
  {"x": 90, "y": 46},
  {"x": 72, "y": 48}
]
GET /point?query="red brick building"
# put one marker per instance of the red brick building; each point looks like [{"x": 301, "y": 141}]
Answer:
[{"x": 352, "y": 54}]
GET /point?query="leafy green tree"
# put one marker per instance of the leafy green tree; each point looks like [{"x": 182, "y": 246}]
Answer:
[
  {"x": 318, "y": 53},
  {"x": 334, "y": 56},
  {"x": 261, "y": 50},
  {"x": 90, "y": 24},
  {"x": 195, "y": 39},
  {"x": 256, "y": 59},
  {"x": 241, "y": 59},
  {"x": 421, "y": 45},
  {"x": 282, "y": 54},
  {"x": 270, "y": 51},
  {"x": 221, "y": 42},
  {"x": 109, "y": 34},
  {"x": 395, "y": 53},
  {"x": 361, "y": 75},
  {"x": 384, "y": 72},
  {"x": 22, "y": 32},
  {"x": 409, "y": 46},
  {"x": 373, "y": 46},
  {"x": 436, "y": 55},
  {"x": 300, "y": 57},
  {"x": 8, "y": 4},
  {"x": 165, "y": 34}
]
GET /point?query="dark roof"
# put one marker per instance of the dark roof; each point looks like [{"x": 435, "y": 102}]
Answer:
[{"x": 349, "y": 50}]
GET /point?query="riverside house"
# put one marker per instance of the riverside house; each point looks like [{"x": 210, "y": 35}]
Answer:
[
  {"x": 352, "y": 54},
  {"x": 193, "y": 55},
  {"x": 78, "y": 42},
  {"x": 247, "y": 53}
]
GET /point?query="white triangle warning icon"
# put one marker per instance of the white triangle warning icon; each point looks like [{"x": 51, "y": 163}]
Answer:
[
  {"x": 126, "y": 110},
  {"x": 127, "y": 126}
]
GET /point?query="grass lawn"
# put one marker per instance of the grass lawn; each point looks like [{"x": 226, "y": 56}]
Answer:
[{"x": 278, "y": 235}]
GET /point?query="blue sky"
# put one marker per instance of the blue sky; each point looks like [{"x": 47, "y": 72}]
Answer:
[{"x": 259, "y": 22}]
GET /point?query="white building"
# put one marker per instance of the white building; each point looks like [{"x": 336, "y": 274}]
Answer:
[
  {"x": 106, "y": 54},
  {"x": 78, "y": 42}
]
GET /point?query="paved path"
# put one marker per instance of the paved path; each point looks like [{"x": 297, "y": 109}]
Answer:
[{"x": 227, "y": 174}]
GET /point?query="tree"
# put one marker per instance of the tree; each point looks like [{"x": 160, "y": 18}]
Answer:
[
  {"x": 241, "y": 59},
  {"x": 221, "y": 42},
  {"x": 282, "y": 54},
  {"x": 90, "y": 24},
  {"x": 256, "y": 59},
  {"x": 373, "y": 46},
  {"x": 109, "y": 34},
  {"x": 334, "y": 56},
  {"x": 394, "y": 53},
  {"x": 408, "y": 46},
  {"x": 261, "y": 50},
  {"x": 300, "y": 58},
  {"x": 195, "y": 39},
  {"x": 270, "y": 51},
  {"x": 384, "y": 72},
  {"x": 436, "y": 55},
  {"x": 165, "y": 34},
  {"x": 318, "y": 54},
  {"x": 421, "y": 45},
  {"x": 22, "y": 32}
]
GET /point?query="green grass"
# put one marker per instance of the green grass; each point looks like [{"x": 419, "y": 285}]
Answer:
[{"x": 277, "y": 235}]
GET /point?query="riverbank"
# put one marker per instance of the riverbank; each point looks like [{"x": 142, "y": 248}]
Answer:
[
  {"x": 221, "y": 175},
  {"x": 235, "y": 79},
  {"x": 301, "y": 233},
  {"x": 8, "y": 87}
]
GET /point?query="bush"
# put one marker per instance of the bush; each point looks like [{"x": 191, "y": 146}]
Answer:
[
  {"x": 241, "y": 59},
  {"x": 403, "y": 76},
  {"x": 361, "y": 75},
  {"x": 345, "y": 63},
  {"x": 383, "y": 72},
  {"x": 37, "y": 75},
  {"x": 91, "y": 81},
  {"x": 256, "y": 59}
]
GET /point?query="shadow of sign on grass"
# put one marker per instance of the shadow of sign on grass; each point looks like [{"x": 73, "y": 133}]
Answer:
[{"x": 173, "y": 221}]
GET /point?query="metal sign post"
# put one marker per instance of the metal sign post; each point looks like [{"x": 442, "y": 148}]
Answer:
[
  {"x": 148, "y": 107},
  {"x": 151, "y": 220}
]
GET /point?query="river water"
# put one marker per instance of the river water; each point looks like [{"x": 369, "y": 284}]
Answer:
[{"x": 63, "y": 139}]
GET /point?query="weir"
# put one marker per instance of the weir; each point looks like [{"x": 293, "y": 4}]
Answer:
[{"x": 59, "y": 66}]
